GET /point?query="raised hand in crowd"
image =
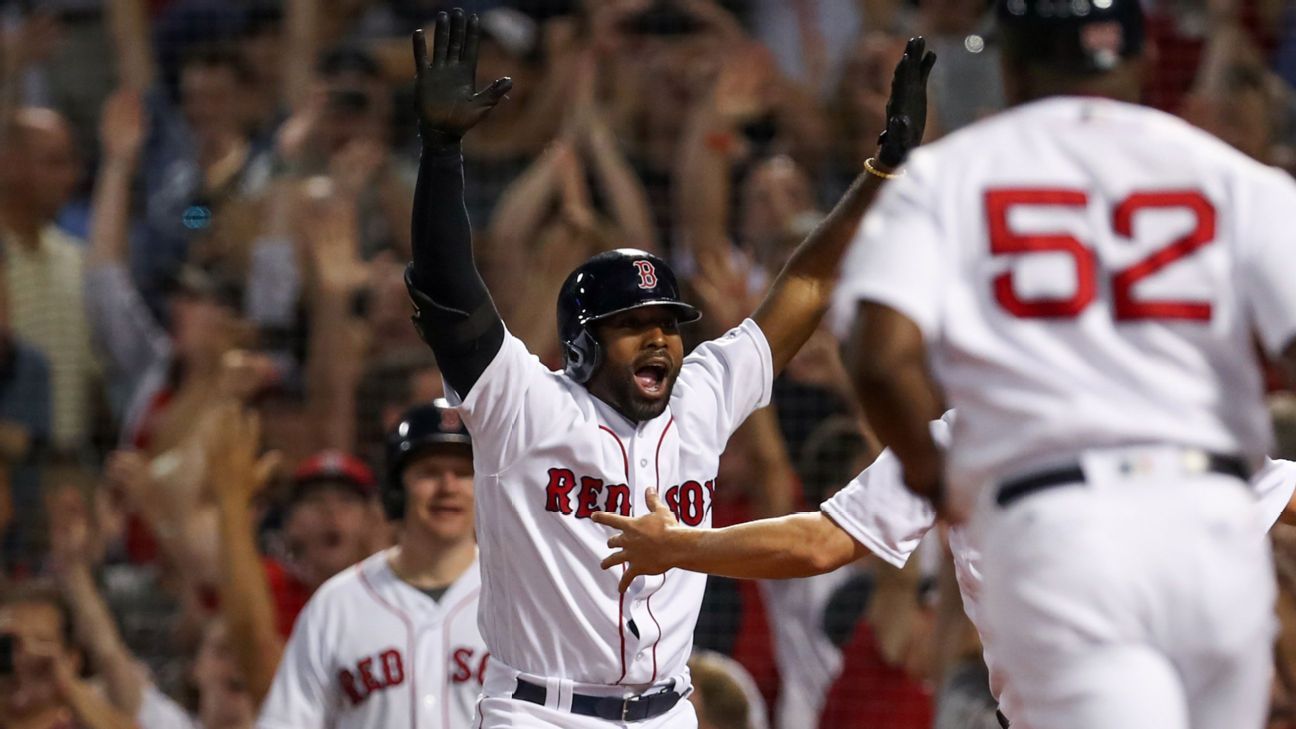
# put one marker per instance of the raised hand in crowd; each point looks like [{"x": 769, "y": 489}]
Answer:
[
  {"x": 74, "y": 555},
  {"x": 83, "y": 703},
  {"x": 238, "y": 474},
  {"x": 338, "y": 283},
  {"x": 122, "y": 126},
  {"x": 123, "y": 123},
  {"x": 169, "y": 493}
]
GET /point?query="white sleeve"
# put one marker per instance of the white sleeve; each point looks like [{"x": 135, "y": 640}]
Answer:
[
  {"x": 158, "y": 711},
  {"x": 512, "y": 401},
  {"x": 895, "y": 258},
  {"x": 299, "y": 697},
  {"x": 724, "y": 380},
  {"x": 877, "y": 510},
  {"x": 1274, "y": 484},
  {"x": 1268, "y": 266}
]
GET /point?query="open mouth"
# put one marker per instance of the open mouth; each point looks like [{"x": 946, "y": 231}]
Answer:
[{"x": 651, "y": 379}]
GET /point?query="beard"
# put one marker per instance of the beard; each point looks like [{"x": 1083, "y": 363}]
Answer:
[{"x": 627, "y": 400}]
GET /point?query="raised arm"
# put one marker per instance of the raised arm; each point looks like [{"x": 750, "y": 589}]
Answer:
[
  {"x": 888, "y": 360},
  {"x": 772, "y": 493},
  {"x": 515, "y": 225},
  {"x": 128, "y": 20},
  {"x": 453, "y": 310},
  {"x": 122, "y": 325},
  {"x": 710, "y": 145},
  {"x": 246, "y": 602},
  {"x": 70, "y": 551},
  {"x": 801, "y": 294},
  {"x": 301, "y": 30}
]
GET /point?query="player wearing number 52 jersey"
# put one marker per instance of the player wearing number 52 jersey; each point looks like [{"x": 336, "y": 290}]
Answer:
[
  {"x": 874, "y": 513},
  {"x": 629, "y": 411},
  {"x": 1086, "y": 279},
  {"x": 393, "y": 642}
]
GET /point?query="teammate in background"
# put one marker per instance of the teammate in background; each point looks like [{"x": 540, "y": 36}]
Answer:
[
  {"x": 875, "y": 512},
  {"x": 1085, "y": 278},
  {"x": 393, "y": 641},
  {"x": 628, "y": 412}
]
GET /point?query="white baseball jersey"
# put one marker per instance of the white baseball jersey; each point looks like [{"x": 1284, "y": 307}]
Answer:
[
  {"x": 1086, "y": 273},
  {"x": 879, "y": 512},
  {"x": 370, "y": 651},
  {"x": 547, "y": 454}
]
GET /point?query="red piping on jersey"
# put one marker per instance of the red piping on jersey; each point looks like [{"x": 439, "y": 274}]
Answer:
[
  {"x": 446, "y": 623},
  {"x": 659, "y": 630},
  {"x": 409, "y": 642},
  {"x": 621, "y": 632},
  {"x": 657, "y": 457},
  {"x": 625, "y": 462},
  {"x": 657, "y": 465},
  {"x": 625, "y": 458}
]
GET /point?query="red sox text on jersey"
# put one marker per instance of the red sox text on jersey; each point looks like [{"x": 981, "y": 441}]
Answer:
[{"x": 581, "y": 496}]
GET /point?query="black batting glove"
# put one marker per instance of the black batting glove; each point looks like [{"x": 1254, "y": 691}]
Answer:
[
  {"x": 447, "y": 98},
  {"x": 906, "y": 110}
]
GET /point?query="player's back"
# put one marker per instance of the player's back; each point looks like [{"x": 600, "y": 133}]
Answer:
[{"x": 1087, "y": 275}]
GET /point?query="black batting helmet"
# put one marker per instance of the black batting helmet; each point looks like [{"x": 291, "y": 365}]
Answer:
[
  {"x": 1080, "y": 37},
  {"x": 608, "y": 284},
  {"x": 421, "y": 427}
]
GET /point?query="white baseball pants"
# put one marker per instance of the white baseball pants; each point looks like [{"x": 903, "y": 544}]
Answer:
[{"x": 1132, "y": 601}]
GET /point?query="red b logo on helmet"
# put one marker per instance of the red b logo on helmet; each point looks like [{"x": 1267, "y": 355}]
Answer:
[{"x": 647, "y": 274}]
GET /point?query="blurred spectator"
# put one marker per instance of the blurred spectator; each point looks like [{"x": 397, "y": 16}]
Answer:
[
  {"x": 39, "y": 169},
  {"x": 167, "y": 377},
  {"x": 1236, "y": 98},
  {"x": 198, "y": 160},
  {"x": 882, "y": 681},
  {"x": 343, "y": 130},
  {"x": 45, "y": 690},
  {"x": 24, "y": 435},
  {"x": 332, "y": 520},
  {"x": 221, "y": 699},
  {"x": 724, "y": 694},
  {"x": 1182, "y": 32},
  {"x": 810, "y": 39},
  {"x": 967, "y": 84},
  {"x": 549, "y": 220}
]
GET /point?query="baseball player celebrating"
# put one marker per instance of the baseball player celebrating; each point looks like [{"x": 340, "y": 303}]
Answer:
[
  {"x": 875, "y": 513},
  {"x": 629, "y": 411},
  {"x": 1085, "y": 278},
  {"x": 393, "y": 641}
]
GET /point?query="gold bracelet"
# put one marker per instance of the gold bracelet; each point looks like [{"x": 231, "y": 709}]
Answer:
[{"x": 869, "y": 168}]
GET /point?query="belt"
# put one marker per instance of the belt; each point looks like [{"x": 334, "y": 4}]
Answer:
[
  {"x": 611, "y": 708},
  {"x": 1017, "y": 488}
]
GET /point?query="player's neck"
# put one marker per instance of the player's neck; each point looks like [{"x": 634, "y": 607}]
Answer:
[{"x": 428, "y": 563}]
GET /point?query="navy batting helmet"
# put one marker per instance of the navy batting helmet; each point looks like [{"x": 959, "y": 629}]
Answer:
[
  {"x": 605, "y": 285},
  {"x": 421, "y": 427},
  {"x": 1073, "y": 36}
]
